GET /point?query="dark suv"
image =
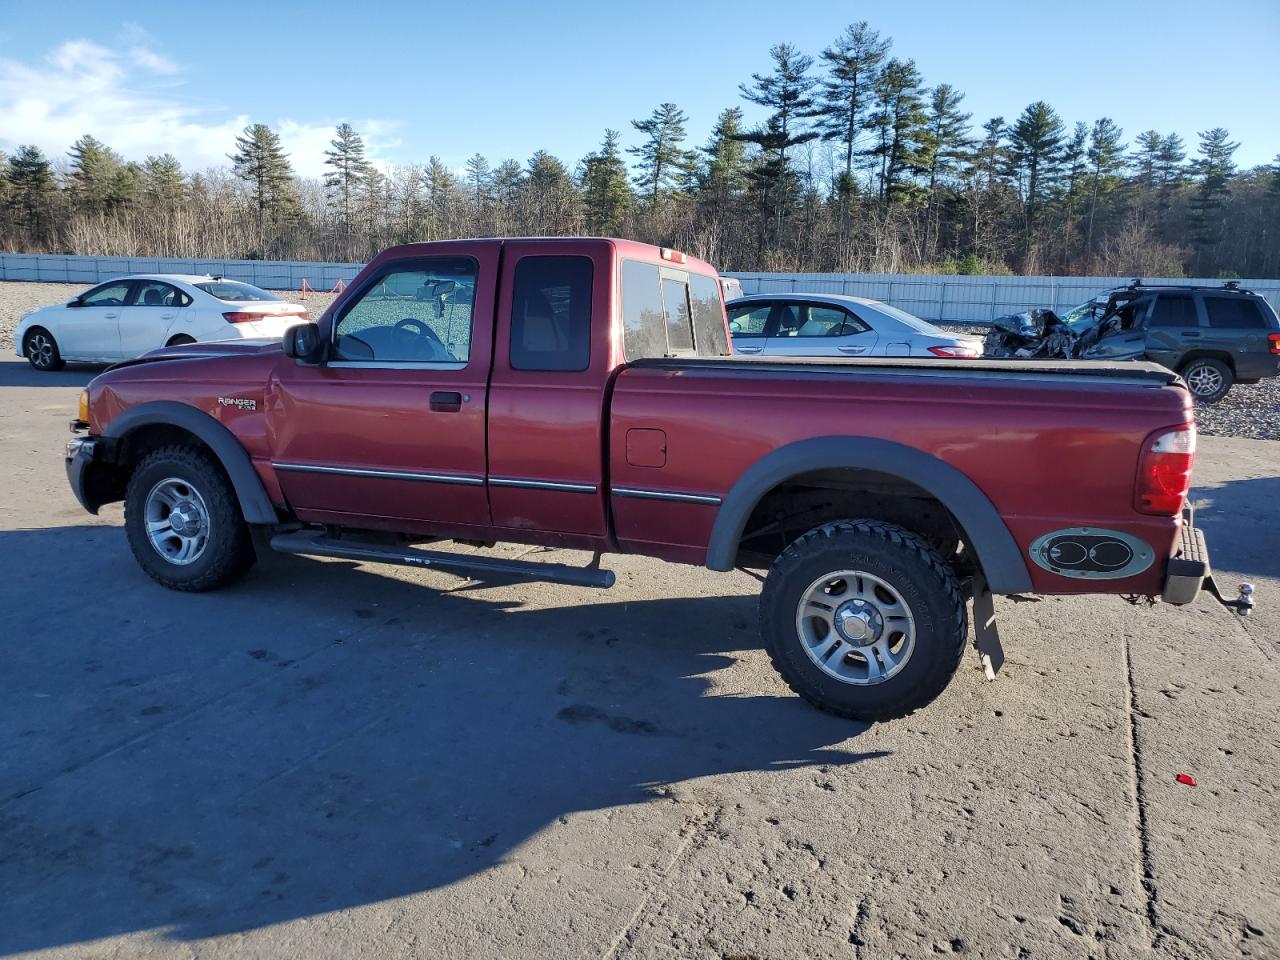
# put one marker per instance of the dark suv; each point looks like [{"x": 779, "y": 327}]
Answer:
[{"x": 1213, "y": 336}]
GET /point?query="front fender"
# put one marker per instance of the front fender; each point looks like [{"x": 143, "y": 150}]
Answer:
[
  {"x": 984, "y": 529},
  {"x": 254, "y": 502}
]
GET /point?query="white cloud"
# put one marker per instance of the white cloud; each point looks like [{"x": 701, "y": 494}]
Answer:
[{"x": 129, "y": 101}]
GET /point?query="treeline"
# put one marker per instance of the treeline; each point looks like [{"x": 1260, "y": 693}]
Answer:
[{"x": 858, "y": 165}]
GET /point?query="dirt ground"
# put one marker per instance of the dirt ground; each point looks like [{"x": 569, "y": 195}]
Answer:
[{"x": 334, "y": 760}]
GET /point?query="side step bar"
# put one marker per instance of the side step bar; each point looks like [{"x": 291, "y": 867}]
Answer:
[{"x": 316, "y": 544}]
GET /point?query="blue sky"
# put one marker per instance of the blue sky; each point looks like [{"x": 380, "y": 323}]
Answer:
[{"x": 506, "y": 79}]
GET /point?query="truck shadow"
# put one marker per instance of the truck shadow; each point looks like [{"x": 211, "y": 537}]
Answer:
[
  {"x": 19, "y": 373},
  {"x": 1231, "y": 515},
  {"x": 323, "y": 737}
]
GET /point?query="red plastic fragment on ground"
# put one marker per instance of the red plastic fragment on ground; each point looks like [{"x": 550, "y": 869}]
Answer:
[{"x": 1187, "y": 778}]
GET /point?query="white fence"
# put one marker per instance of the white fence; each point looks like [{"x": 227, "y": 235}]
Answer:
[
  {"x": 268, "y": 274},
  {"x": 944, "y": 299},
  {"x": 953, "y": 299}
]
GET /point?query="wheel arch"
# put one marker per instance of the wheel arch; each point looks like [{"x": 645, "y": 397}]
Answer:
[
  {"x": 222, "y": 443},
  {"x": 1207, "y": 354},
  {"x": 996, "y": 550}
]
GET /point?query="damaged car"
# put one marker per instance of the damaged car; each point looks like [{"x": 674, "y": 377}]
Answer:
[{"x": 1213, "y": 336}]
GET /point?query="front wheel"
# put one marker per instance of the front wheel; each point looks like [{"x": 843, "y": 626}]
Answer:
[
  {"x": 184, "y": 522},
  {"x": 863, "y": 619},
  {"x": 1208, "y": 379},
  {"x": 41, "y": 350}
]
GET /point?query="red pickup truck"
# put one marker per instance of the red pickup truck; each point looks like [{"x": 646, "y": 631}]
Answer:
[{"x": 580, "y": 393}]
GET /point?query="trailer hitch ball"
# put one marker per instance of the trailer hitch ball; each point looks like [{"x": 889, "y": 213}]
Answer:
[{"x": 1244, "y": 603}]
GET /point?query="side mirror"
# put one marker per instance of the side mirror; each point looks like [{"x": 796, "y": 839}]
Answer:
[
  {"x": 302, "y": 342},
  {"x": 75, "y": 302}
]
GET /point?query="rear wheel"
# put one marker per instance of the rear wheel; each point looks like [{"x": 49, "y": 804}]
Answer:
[
  {"x": 41, "y": 350},
  {"x": 1208, "y": 379},
  {"x": 184, "y": 522},
  {"x": 179, "y": 340},
  {"x": 864, "y": 619}
]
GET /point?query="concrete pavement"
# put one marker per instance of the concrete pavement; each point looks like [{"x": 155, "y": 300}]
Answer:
[{"x": 338, "y": 760}]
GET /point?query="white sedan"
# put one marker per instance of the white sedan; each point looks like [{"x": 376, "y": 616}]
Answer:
[
  {"x": 828, "y": 325},
  {"x": 125, "y": 318}
]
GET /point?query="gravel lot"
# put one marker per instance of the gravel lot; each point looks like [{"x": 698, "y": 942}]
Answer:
[
  {"x": 334, "y": 760},
  {"x": 1251, "y": 411}
]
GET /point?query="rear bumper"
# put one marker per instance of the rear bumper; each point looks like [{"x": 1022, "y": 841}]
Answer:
[{"x": 1189, "y": 568}]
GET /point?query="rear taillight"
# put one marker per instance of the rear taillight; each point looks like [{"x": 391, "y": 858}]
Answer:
[
  {"x": 1164, "y": 471},
  {"x": 239, "y": 316},
  {"x": 1274, "y": 340},
  {"x": 956, "y": 352}
]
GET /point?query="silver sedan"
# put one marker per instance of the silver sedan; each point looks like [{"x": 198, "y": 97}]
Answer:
[{"x": 828, "y": 325}]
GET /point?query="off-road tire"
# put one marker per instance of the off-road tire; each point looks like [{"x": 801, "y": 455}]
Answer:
[
  {"x": 914, "y": 569},
  {"x": 1227, "y": 378},
  {"x": 47, "y": 361},
  {"x": 229, "y": 552}
]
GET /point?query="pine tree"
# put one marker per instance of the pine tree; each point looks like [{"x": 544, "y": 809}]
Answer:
[
  {"x": 552, "y": 198},
  {"x": 349, "y": 174},
  {"x": 1146, "y": 157},
  {"x": 1214, "y": 169},
  {"x": 786, "y": 94},
  {"x": 606, "y": 194},
  {"x": 479, "y": 180},
  {"x": 95, "y": 168},
  {"x": 1035, "y": 147},
  {"x": 1075, "y": 165},
  {"x": 31, "y": 191},
  {"x": 443, "y": 195},
  {"x": 900, "y": 119},
  {"x": 944, "y": 146},
  {"x": 845, "y": 93},
  {"x": 261, "y": 161},
  {"x": 164, "y": 185},
  {"x": 725, "y": 170},
  {"x": 1106, "y": 161},
  {"x": 666, "y": 167}
]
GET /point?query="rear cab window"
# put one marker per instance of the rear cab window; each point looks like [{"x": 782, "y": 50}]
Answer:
[
  {"x": 551, "y": 313},
  {"x": 670, "y": 312}
]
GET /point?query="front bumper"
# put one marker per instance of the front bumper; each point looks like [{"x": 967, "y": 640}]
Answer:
[
  {"x": 1189, "y": 572},
  {"x": 80, "y": 454}
]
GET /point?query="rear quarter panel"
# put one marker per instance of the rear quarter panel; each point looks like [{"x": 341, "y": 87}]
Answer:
[{"x": 1048, "y": 452}]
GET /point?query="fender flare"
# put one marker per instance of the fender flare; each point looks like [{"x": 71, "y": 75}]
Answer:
[
  {"x": 254, "y": 502},
  {"x": 997, "y": 551}
]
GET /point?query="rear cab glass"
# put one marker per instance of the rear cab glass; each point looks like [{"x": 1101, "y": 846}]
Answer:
[{"x": 671, "y": 312}]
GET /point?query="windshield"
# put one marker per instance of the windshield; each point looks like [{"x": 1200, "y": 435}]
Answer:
[
  {"x": 233, "y": 291},
  {"x": 1081, "y": 317}
]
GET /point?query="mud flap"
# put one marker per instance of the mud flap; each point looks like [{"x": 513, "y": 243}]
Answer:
[{"x": 986, "y": 632}]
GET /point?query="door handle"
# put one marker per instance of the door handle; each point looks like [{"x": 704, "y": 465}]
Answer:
[
  {"x": 166, "y": 316},
  {"x": 1191, "y": 333},
  {"x": 111, "y": 316},
  {"x": 747, "y": 349},
  {"x": 446, "y": 401},
  {"x": 851, "y": 348}
]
